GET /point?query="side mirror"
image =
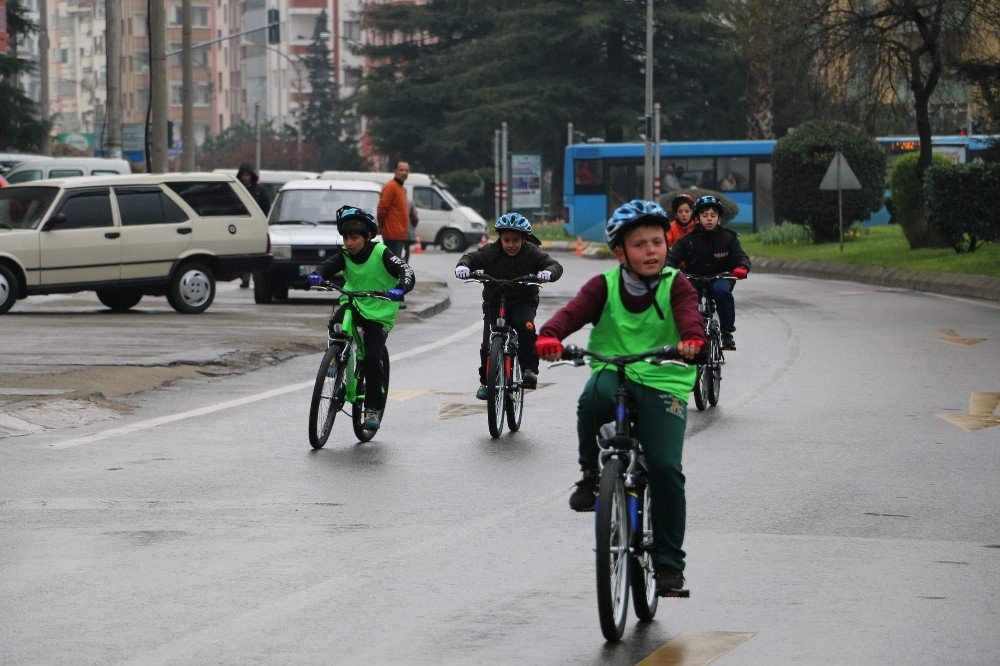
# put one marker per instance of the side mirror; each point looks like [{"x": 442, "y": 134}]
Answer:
[{"x": 55, "y": 222}]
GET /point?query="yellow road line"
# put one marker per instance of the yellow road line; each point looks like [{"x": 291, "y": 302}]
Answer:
[{"x": 696, "y": 648}]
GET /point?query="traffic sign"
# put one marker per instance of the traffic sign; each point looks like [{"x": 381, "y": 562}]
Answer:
[{"x": 839, "y": 175}]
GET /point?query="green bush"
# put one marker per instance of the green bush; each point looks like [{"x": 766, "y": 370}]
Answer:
[
  {"x": 785, "y": 233},
  {"x": 962, "y": 202},
  {"x": 731, "y": 207},
  {"x": 462, "y": 182},
  {"x": 907, "y": 197},
  {"x": 801, "y": 159}
]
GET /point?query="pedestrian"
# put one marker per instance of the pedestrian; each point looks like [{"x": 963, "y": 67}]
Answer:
[
  {"x": 249, "y": 177},
  {"x": 393, "y": 212}
]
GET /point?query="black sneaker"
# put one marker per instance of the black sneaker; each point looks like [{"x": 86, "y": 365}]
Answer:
[
  {"x": 529, "y": 379},
  {"x": 668, "y": 581},
  {"x": 583, "y": 497},
  {"x": 728, "y": 342}
]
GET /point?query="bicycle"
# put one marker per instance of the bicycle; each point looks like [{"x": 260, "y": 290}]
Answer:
[
  {"x": 341, "y": 377},
  {"x": 503, "y": 369},
  {"x": 623, "y": 531},
  {"x": 708, "y": 386}
]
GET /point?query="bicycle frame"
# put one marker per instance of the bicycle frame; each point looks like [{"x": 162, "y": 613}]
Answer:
[{"x": 500, "y": 328}]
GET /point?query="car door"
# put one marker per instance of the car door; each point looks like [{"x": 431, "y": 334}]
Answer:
[
  {"x": 155, "y": 231},
  {"x": 433, "y": 212},
  {"x": 80, "y": 242}
]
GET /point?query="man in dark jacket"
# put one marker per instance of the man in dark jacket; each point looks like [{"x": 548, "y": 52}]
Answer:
[
  {"x": 709, "y": 250},
  {"x": 249, "y": 178},
  {"x": 516, "y": 253}
]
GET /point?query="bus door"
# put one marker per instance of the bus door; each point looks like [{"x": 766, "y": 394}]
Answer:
[{"x": 763, "y": 200}]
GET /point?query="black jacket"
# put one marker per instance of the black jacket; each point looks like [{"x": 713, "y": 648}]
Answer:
[
  {"x": 708, "y": 252},
  {"x": 259, "y": 195},
  {"x": 492, "y": 260}
]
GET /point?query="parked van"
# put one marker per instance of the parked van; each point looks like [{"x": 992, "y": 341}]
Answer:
[
  {"x": 271, "y": 181},
  {"x": 125, "y": 237},
  {"x": 10, "y": 160},
  {"x": 303, "y": 230},
  {"x": 444, "y": 221},
  {"x": 66, "y": 167}
]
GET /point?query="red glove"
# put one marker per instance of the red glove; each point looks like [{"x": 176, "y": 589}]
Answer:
[
  {"x": 547, "y": 346},
  {"x": 740, "y": 272},
  {"x": 697, "y": 343}
]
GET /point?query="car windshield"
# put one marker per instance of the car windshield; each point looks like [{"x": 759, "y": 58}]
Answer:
[
  {"x": 448, "y": 196},
  {"x": 24, "y": 207},
  {"x": 318, "y": 206}
]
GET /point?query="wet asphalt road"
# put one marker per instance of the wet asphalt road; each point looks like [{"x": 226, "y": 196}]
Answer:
[{"x": 831, "y": 512}]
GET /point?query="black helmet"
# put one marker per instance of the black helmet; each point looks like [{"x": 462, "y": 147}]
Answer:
[
  {"x": 707, "y": 201},
  {"x": 352, "y": 213}
]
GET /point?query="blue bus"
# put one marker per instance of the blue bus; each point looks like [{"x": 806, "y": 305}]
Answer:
[{"x": 599, "y": 177}]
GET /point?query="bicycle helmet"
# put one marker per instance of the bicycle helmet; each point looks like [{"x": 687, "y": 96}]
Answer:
[
  {"x": 513, "y": 222},
  {"x": 348, "y": 214},
  {"x": 707, "y": 201},
  {"x": 633, "y": 213},
  {"x": 676, "y": 202}
]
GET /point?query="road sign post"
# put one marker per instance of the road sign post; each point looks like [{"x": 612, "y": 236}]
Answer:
[{"x": 840, "y": 177}]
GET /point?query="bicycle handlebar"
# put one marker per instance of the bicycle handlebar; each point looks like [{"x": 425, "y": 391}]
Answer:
[
  {"x": 332, "y": 286},
  {"x": 710, "y": 278},
  {"x": 483, "y": 278},
  {"x": 574, "y": 355}
]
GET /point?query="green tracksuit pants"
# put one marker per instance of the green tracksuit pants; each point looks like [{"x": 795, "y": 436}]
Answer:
[{"x": 660, "y": 423}]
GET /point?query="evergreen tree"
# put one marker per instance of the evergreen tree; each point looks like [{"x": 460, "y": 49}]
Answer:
[
  {"x": 21, "y": 127},
  {"x": 325, "y": 123}
]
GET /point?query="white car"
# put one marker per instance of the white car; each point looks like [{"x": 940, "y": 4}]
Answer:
[
  {"x": 126, "y": 237},
  {"x": 303, "y": 230}
]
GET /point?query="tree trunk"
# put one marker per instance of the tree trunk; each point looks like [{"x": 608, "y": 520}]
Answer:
[{"x": 760, "y": 99}]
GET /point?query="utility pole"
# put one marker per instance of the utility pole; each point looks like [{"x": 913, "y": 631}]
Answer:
[
  {"x": 159, "y": 85},
  {"x": 656, "y": 152},
  {"x": 256, "y": 137},
  {"x": 187, "y": 89},
  {"x": 569, "y": 134},
  {"x": 504, "y": 168},
  {"x": 43, "y": 72},
  {"x": 113, "y": 29},
  {"x": 648, "y": 163},
  {"x": 496, "y": 173}
]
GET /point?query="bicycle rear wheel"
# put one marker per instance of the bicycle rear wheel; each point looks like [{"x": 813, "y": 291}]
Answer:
[
  {"x": 644, "y": 598},
  {"x": 612, "y": 556},
  {"x": 327, "y": 397},
  {"x": 495, "y": 376},
  {"x": 357, "y": 409},
  {"x": 515, "y": 396}
]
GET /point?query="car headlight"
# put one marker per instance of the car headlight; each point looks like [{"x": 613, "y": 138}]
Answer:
[
  {"x": 281, "y": 251},
  {"x": 478, "y": 225}
]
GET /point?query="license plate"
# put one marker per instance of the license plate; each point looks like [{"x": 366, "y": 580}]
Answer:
[{"x": 306, "y": 270}]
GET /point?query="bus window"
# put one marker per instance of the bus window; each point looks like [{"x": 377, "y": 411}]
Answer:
[
  {"x": 695, "y": 171},
  {"x": 733, "y": 174},
  {"x": 588, "y": 172}
]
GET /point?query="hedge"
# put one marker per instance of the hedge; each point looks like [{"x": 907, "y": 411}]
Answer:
[
  {"x": 801, "y": 159},
  {"x": 962, "y": 202},
  {"x": 906, "y": 192}
]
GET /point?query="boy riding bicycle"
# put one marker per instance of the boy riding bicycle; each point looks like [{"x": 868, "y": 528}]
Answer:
[
  {"x": 514, "y": 254},
  {"x": 367, "y": 266},
  {"x": 709, "y": 250},
  {"x": 639, "y": 305}
]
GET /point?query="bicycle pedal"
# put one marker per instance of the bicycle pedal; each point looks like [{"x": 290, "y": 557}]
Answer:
[{"x": 679, "y": 594}]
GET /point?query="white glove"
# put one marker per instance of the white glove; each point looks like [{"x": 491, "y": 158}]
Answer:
[
  {"x": 544, "y": 276},
  {"x": 461, "y": 272}
]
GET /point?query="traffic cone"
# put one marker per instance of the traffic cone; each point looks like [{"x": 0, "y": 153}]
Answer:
[
  {"x": 418, "y": 247},
  {"x": 579, "y": 246}
]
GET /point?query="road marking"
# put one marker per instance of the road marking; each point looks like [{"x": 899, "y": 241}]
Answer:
[
  {"x": 981, "y": 413},
  {"x": 239, "y": 402},
  {"x": 403, "y": 396},
  {"x": 696, "y": 648},
  {"x": 457, "y": 410},
  {"x": 949, "y": 335}
]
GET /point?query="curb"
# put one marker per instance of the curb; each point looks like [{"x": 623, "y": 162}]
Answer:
[{"x": 983, "y": 287}]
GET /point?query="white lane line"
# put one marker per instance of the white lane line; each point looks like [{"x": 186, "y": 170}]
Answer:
[{"x": 239, "y": 402}]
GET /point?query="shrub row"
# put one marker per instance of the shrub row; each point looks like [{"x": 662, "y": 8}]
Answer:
[{"x": 962, "y": 202}]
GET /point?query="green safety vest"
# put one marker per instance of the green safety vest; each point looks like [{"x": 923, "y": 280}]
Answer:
[
  {"x": 619, "y": 333},
  {"x": 371, "y": 276}
]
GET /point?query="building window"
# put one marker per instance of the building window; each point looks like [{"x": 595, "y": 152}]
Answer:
[
  {"x": 351, "y": 30},
  {"x": 140, "y": 25},
  {"x": 352, "y": 77},
  {"x": 199, "y": 16}
]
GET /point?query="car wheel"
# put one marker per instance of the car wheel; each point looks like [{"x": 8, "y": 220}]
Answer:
[
  {"x": 119, "y": 300},
  {"x": 9, "y": 289},
  {"x": 192, "y": 288},
  {"x": 452, "y": 241},
  {"x": 261, "y": 289},
  {"x": 280, "y": 293}
]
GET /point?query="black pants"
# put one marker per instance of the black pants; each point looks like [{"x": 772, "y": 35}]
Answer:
[
  {"x": 521, "y": 316},
  {"x": 374, "y": 335}
]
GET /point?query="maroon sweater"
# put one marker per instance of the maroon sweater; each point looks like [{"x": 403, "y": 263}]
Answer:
[{"x": 587, "y": 306}]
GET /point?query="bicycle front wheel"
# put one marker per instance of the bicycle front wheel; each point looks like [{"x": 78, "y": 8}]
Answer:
[
  {"x": 515, "y": 396},
  {"x": 357, "y": 410},
  {"x": 644, "y": 598},
  {"x": 715, "y": 385},
  {"x": 700, "y": 399},
  {"x": 612, "y": 557},
  {"x": 327, "y": 397},
  {"x": 495, "y": 377}
]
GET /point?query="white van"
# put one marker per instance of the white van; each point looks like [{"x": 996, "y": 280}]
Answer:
[
  {"x": 66, "y": 167},
  {"x": 270, "y": 181},
  {"x": 126, "y": 237},
  {"x": 444, "y": 221},
  {"x": 303, "y": 230}
]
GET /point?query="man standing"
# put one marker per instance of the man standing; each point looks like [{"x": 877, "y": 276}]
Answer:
[
  {"x": 393, "y": 212},
  {"x": 249, "y": 178}
]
